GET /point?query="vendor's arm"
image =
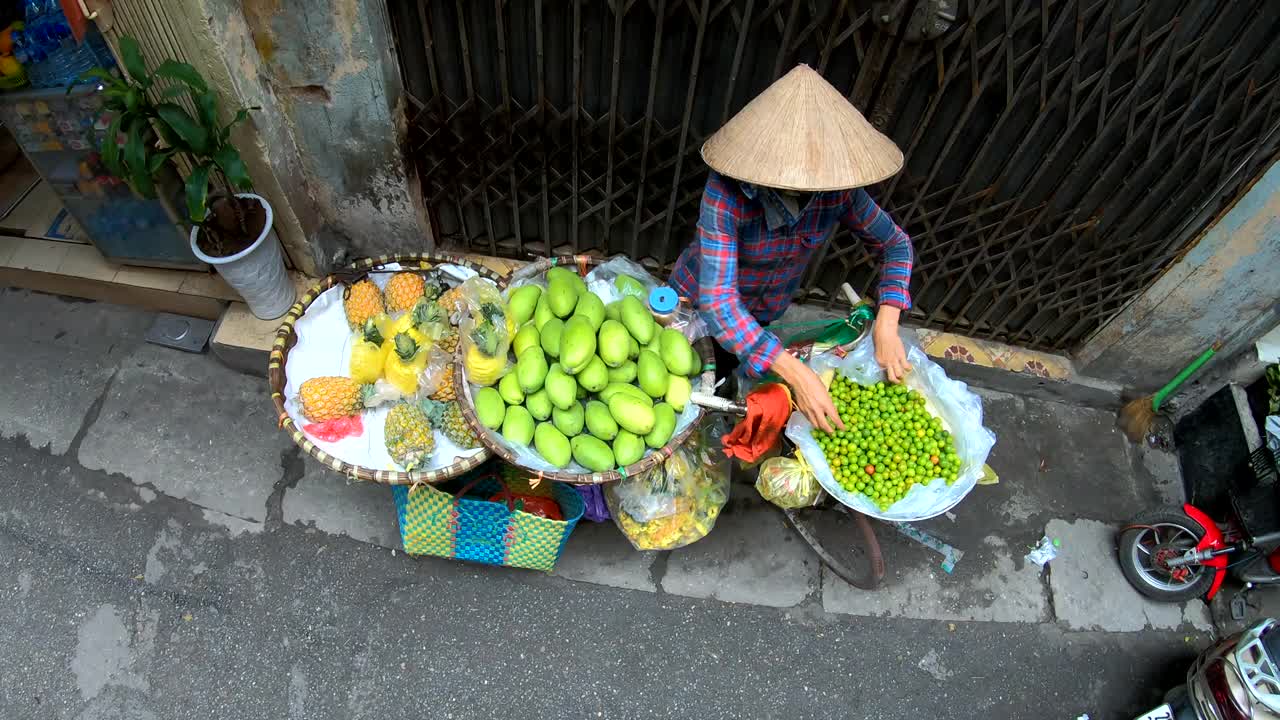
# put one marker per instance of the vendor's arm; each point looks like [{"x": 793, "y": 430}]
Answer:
[
  {"x": 735, "y": 328},
  {"x": 893, "y": 248}
]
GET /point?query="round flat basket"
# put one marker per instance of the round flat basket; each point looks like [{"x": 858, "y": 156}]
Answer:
[
  {"x": 286, "y": 338},
  {"x": 704, "y": 382}
]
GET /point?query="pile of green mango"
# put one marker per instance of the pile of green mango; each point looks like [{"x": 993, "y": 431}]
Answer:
[{"x": 593, "y": 383}]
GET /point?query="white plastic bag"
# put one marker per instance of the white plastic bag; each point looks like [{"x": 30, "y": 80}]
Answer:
[
  {"x": 602, "y": 280},
  {"x": 951, "y": 400}
]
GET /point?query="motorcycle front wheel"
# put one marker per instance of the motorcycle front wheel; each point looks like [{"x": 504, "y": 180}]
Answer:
[{"x": 1149, "y": 541}]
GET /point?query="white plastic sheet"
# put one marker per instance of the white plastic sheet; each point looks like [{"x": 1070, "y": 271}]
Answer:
[
  {"x": 324, "y": 348},
  {"x": 950, "y": 400}
]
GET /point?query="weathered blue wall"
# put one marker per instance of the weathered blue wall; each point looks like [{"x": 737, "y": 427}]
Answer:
[
  {"x": 327, "y": 80},
  {"x": 1227, "y": 287}
]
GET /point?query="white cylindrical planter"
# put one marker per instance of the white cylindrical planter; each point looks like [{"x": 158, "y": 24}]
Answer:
[{"x": 257, "y": 272}]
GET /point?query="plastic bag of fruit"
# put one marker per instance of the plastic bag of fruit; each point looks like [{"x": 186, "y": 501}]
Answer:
[
  {"x": 486, "y": 332},
  {"x": 676, "y": 503},
  {"x": 926, "y": 467},
  {"x": 788, "y": 482}
]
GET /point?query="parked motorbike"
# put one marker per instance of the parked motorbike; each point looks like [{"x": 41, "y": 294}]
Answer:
[
  {"x": 1235, "y": 679},
  {"x": 1174, "y": 554}
]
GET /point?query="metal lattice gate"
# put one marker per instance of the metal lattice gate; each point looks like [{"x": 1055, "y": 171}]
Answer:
[{"x": 1060, "y": 154}]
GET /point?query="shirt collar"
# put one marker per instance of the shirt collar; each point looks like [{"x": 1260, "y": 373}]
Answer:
[{"x": 777, "y": 210}]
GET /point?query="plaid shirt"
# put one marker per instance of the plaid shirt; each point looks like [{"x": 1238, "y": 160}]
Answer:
[{"x": 751, "y": 251}]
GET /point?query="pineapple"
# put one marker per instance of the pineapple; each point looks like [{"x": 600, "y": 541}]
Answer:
[
  {"x": 361, "y": 301},
  {"x": 409, "y": 437},
  {"x": 445, "y": 390},
  {"x": 484, "y": 365},
  {"x": 368, "y": 355},
  {"x": 455, "y": 427},
  {"x": 433, "y": 287},
  {"x": 328, "y": 398},
  {"x": 403, "y": 290},
  {"x": 405, "y": 360},
  {"x": 452, "y": 301},
  {"x": 448, "y": 342}
]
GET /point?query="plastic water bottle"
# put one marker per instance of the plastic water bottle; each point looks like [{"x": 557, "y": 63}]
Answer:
[{"x": 47, "y": 39}]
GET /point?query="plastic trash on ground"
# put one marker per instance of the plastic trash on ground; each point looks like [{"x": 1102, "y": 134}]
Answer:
[{"x": 1043, "y": 552}]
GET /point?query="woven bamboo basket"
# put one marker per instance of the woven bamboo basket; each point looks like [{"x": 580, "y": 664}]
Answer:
[
  {"x": 705, "y": 382},
  {"x": 286, "y": 337}
]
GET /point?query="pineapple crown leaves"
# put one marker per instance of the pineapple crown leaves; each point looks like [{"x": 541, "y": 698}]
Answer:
[
  {"x": 433, "y": 287},
  {"x": 405, "y": 346},
  {"x": 493, "y": 312},
  {"x": 371, "y": 332},
  {"x": 485, "y": 336},
  {"x": 427, "y": 311},
  {"x": 434, "y": 410}
]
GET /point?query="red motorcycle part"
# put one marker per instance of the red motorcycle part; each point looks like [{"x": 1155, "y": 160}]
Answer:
[{"x": 1212, "y": 540}]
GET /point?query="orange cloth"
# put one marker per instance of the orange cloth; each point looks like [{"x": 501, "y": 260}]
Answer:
[{"x": 768, "y": 407}]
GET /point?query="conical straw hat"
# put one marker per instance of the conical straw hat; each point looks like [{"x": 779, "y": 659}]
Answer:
[{"x": 802, "y": 134}]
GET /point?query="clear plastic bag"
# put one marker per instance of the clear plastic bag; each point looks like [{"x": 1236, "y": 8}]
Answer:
[
  {"x": 614, "y": 279},
  {"x": 486, "y": 335},
  {"x": 435, "y": 373},
  {"x": 676, "y": 503},
  {"x": 788, "y": 482},
  {"x": 950, "y": 400}
]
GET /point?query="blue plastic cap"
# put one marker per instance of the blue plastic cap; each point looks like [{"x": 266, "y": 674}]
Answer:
[{"x": 663, "y": 300}]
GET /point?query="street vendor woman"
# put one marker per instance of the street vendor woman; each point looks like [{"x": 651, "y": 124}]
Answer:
[{"x": 785, "y": 170}]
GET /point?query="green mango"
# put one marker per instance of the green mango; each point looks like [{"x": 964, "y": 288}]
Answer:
[
  {"x": 591, "y": 453},
  {"x": 531, "y": 370},
  {"x": 631, "y": 414},
  {"x": 676, "y": 352},
  {"x": 569, "y": 421},
  {"x": 591, "y": 308},
  {"x": 595, "y": 376},
  {"x": 628, "y": 448},
  {"x": 628, "y": 285},
  {"x": 490, "y": 408},
  {"x": 562, "y": 296},
  {"x": 550, "y": 335},
  {"x": 561, "y": 388},
  {"x": 526, "y": 337},
  {"x": 510, "y": 390},
  {"x": 542, "y": 313},
  {"x": 637, "y": 319},
  {"x": 651, "y": 374},
  {"x": 517, "y": 427},
  {"x": 613, "y": 343},
  {"x": 678, "y": 392},
  {"x": 552, "y": 445},
  {"x": 558, "y": 273},
  {"x": 522, "y": 302},
  {"x": 624, "y": 373},
  {"x": 625, "y": 389},
  {"x": 664, "y": 426},
  {"x": 633, "y": 349},
  {"x": 538, "y": 404},
  {"x": 582, "y": 393},
  {"x": 695, "y": 361},
  {"x": 599, "y": 422},
  {"x": 613, "y": 311},
  {"x": 577, "y": 344}
]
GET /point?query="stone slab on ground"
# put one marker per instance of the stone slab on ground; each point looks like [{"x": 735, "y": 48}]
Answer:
[
  {"x": 1090, "y": 592},
  {"x": 598, "y": 553},
  {"x": 990, "y": 583},
  {"x": 331, "y": 503},
  {"x": 191, "y": 428},
  {"x": 58, "y": 356},
  {"x": 751, "y": 556}
]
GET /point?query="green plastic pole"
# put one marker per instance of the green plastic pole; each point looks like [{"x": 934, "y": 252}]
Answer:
[{"x": 1164, "y": 392}]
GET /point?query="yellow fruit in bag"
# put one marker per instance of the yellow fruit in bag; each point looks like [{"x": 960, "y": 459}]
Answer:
[
  {"x": 483, "y": 369},
  {"x": 368, "y": 354},
  {"x": 406, "y": 360}
]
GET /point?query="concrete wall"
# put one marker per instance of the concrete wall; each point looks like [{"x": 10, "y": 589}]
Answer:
[
  {"x": 329, "y": 130},
  {"x": 1226, "y": 287}
]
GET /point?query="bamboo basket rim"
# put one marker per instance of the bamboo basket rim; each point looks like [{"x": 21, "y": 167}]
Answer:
[
  {"x": 491, "y": 440},
  {"x": 286, "y": 337}
]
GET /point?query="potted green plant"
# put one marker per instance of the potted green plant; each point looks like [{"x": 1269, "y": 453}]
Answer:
[{"x": 231, "y": 227}]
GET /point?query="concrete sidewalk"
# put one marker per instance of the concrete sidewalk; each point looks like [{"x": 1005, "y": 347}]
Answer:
[{"x": 184, "y": 456}]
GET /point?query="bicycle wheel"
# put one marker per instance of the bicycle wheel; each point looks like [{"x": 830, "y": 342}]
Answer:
[{"x": 844, "y": 541}]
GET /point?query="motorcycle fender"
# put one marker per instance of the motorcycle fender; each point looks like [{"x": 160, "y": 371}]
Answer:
[{"x": 1212, "y": 540}]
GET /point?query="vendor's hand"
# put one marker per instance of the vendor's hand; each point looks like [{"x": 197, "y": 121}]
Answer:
[
  {"x": 810, "y": 394},
  {"x": 890, "y": 353}
]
